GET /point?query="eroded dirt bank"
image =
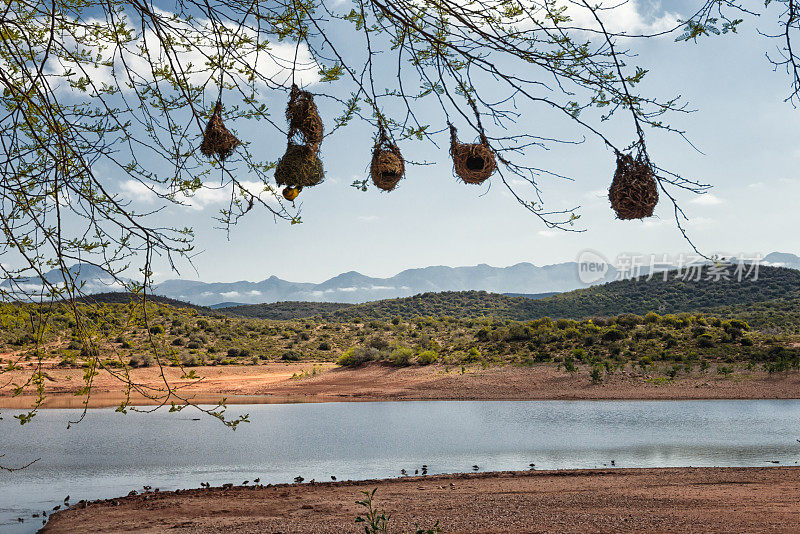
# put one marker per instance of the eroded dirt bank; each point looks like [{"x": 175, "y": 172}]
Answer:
[
  {"x": 274, "y": 383},
  {"x": 621, "y": 500}
]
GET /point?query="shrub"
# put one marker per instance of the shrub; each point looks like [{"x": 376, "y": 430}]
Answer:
[
  {"x": 472, "y": 356},
  {"x": 401, "y": 356},
  {"x": 427, "y": 357},
  {"x": 324, "y": 346},
  {"x": 596, "y": 374},
  {"x": 705, "y": 341},
  {"x": 652, "y": 318},
  {"x": 290, "y": 356},
  {"x": 613, "y": 334},
  {"x": 157, "y": 329},
  {"x": 141, "y": 360},
  {"x": 356, "y": 356},
  {"x": 378, "y": 343},
  {"x": 178, "y": 341}
]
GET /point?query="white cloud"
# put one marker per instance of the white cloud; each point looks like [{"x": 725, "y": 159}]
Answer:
[
  {"x": 631, "y": 17},
  {"x": 367, "y": 218},
  {"x": 548, "y": 233},
  {"x": 130, "y": 62},
  {"x": 229, "y": 294},
  {"x": 700, "y": 222},
  {"x": 654, "y": 223},
  {"x": 756, "y": 185},
  {"x": 707, "y": 200},
  {"x": 136, "y": 190},
  {"x": 208, "y": 195}
]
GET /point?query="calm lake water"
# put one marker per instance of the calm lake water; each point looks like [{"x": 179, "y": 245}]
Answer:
[{"x": 109, "y": 454}]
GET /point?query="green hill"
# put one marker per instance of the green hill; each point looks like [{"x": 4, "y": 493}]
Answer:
[
  {"x": 125, "y": 298},
  {"x": 282, "y": 311},
  {"x": 672, "y": 295}
]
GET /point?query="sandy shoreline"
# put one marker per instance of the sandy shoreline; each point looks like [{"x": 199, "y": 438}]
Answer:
[
  {"x": 273, "y": 382},
  {"x": 629, "y": 500}
]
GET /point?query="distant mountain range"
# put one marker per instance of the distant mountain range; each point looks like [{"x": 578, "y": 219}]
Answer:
[
  {"x": 353, "y": 287},
  {"x": 524, "y": 279}
]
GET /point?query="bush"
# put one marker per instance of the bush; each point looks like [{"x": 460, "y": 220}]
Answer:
[
  {"x": 472, "y": 356},
  {"x": 401, "y": 356},
  {"x": 157, "y": 329},
  {"x": 355, "y": 356},
  {"x": 324, "y": 346},
  {"x": 652, "y": 318},
  {"x": 178, "y": 342},
  {"x": 705, "y": 341},
  {"x": 427, "y": 357},
  {"x": 596, "y": 374},
  {"x": 290, "y": 356},
  {"x": 141, "y": 360},
  {"x": 613, "y": 334}
]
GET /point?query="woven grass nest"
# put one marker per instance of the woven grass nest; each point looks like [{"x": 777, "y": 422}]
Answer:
[
  {"x": 303, "y": 117},
  {"x": 300, "y": 166},
  {"x": 474, "y": 163},
  {"x": 387, "y": 167},
  {"x": 217, "y": 140},
  {"x": 634, "y": 191}
]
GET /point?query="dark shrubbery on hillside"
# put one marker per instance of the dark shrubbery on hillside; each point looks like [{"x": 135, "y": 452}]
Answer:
[
  {"x": 127, "y": 298},
  {"x": 284, "y": 311},
  {"x": 615, "y": 298}
]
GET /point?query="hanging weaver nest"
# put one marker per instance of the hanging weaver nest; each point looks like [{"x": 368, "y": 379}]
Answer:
[
  {"x": 300, "y": 166},
  {"x": 633, "y": 192},
  {"x": 472, "y": 162},
  {"x": 303, "y": 117},
  {"x": 217, "y": 140},
  {"x": 388, "y": 166}
]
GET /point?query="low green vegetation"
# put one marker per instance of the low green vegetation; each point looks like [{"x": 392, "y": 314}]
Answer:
[
  {"x": 669, "y": 345},
  {"x": 376, "y": 521},
  {"x": 729, "y": 339}
]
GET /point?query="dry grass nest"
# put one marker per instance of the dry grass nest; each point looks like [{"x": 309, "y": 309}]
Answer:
[
  {"x": 303, "y": 117},
  {"x": 217, "y": 140},
  {"x": 474, "y": 163},
  {"x": 634, "y": 191},
  {"x": 387, "y": 167},
  {"x": 300, "y": 166}
]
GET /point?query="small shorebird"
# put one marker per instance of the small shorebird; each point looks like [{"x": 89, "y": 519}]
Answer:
[
  {"x": 475, "y": 467},
  {"x": 333, "y": 478},
  {"x": 256, "y": 480}
]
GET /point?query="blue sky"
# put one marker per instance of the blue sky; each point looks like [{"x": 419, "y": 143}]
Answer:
[{"x": 747, "y": 134}]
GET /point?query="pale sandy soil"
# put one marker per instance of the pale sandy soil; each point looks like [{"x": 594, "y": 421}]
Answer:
[
  {"x": 273, "y": 383},
  {"x": 624, "y": 500}
]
